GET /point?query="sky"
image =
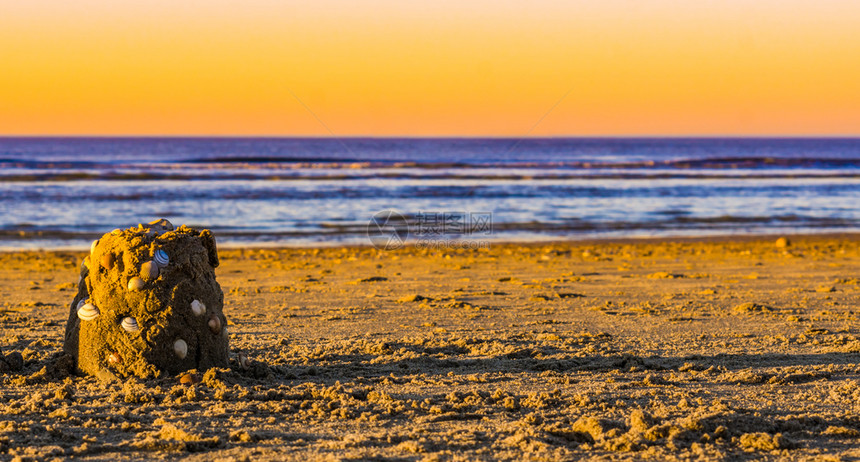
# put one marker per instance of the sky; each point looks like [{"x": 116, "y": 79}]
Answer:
[{"x": 432, "y": 68}]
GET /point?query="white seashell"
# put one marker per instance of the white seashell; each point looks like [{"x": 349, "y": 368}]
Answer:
[
  {"x": 149, "y": 270},
  {"x": 135, "y": 284},
  {"x": 93, "y": 246},
  {"x": 198, "y": 307},
  {"x": 180, "y": 348},
  {"x": 88, "y": 312},
  {"x": 160, "y": 258},
  {"x": 244, "y": 362},
  {"x": 130, "y": 324},
  {"x": 215, "y": 324}
]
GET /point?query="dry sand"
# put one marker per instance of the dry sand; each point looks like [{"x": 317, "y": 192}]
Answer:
[{"x": 669, "y": 350}]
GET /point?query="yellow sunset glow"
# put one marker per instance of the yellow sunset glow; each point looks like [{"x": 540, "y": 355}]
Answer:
[{"x": 389, "y": 68}]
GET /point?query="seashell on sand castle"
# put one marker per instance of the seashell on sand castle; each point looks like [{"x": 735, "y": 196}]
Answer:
[
  {"x": 130, "y": 324},
  {"x": 141, "y": 300}
]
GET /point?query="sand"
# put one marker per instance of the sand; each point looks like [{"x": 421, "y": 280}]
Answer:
[{"x": 652, "y": 349}]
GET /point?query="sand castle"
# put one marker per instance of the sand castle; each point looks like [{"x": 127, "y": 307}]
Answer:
[{"x": 148, "y": 303}]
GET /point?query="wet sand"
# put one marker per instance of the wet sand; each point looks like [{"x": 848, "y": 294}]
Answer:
[{"x": 623, "y": 350}]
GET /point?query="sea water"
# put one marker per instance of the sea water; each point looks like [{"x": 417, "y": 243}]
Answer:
[{"x": 64, "y": 192}]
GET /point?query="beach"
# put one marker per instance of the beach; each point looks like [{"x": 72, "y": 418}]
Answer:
[{"x": 719, "y": 348}]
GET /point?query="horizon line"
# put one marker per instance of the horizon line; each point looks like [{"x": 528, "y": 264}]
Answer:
[{"x": 441, "y": 137}]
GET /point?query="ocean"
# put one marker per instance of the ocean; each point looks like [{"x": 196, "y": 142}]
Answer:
[{"x": 64, "y": 192}]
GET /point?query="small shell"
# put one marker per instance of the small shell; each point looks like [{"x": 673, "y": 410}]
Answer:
[
  {"x": 88, "y": 312},
  {"x": 198, "y": 307},
  {"x": 93, "y": 246},
  {"x": 116, "y": 232},
  {"x": 244, "y": 362},
  {"x": 215, "y": 324},
  {"x": 188, "y": 379},
  {"x": 130, "y": 324},
  {"x": 114, "y": 358},
  {"x": 160, "y": 258},
  {"x": 108, "y": 260},
  {"x": 135, "y": 284},
  {"x": 180, "y": 348},
  {"x": 149, "y": 270},
  {"x": 161, "y": 224}
]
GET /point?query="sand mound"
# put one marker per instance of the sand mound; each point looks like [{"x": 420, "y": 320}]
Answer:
[
  {"x": 148, "y": 303},
  {"x": 11, "y": 362}
]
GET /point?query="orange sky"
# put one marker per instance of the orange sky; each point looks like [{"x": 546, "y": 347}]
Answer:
[{"x": 396, "y": 67}]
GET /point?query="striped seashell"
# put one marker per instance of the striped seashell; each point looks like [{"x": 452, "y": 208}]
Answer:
[
  {"x": 116, "y": 232},
  {"x": 160, "y": 258},
  {"x": 244, "y": 362},
  {"x": 180, "y": 348},
  {"x": 149, "y": 270},
  {"x": 93, "y": 246},
  {"x": 130, "y": 324},
  {"x": 135, "y": 284},
  {"x": 88, "y": 312},
  {"x": 114, "y": 358},
  {"x": 198, "y": 307},
  {"x": 215, "y": 324}
]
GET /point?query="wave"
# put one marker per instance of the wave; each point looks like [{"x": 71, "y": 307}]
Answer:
[
  {"x": 395, "y": 174},
  {"x": 428, "y": 160},
  {"x": 29, "y": 232},
  {"x": 269, "y": 160}
]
